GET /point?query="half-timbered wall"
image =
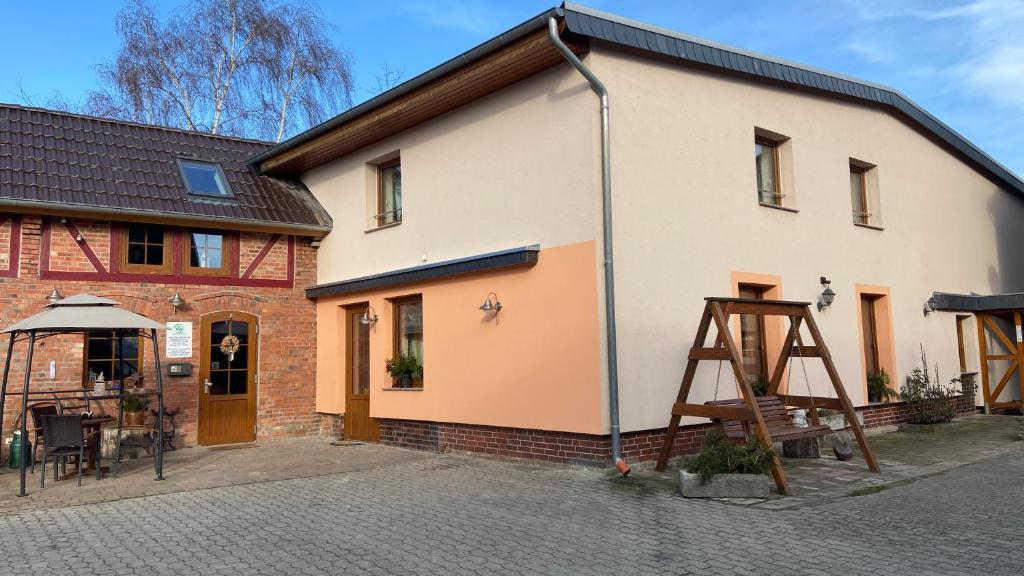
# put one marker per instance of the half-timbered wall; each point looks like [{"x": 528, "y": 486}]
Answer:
[{"x": 271, "y": 272}]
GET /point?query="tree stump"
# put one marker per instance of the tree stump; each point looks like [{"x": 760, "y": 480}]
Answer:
[{"x": 801, "y": 448}]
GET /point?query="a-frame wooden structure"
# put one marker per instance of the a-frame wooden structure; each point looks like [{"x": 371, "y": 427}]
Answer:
[{"x": 718, "y": 311}]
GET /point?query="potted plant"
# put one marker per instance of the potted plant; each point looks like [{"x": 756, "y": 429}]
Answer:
[
  {"x": 929, "y": 404},
  {"x": 878, "y": 387},
  {"x": 404, "y": 369},
  {"x": 725, "y": 469},
  {"x": 760, "y": 386},
  {"x": 135, "y": 410}
]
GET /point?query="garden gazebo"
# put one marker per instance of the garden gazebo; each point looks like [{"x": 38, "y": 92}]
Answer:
[{"x": 81, "y": 314}]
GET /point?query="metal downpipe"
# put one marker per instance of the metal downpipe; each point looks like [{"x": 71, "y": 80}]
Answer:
[{"x": 609, "y": 265}]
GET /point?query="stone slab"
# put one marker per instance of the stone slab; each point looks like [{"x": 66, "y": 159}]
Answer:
[{"x": 725, "y": 486}]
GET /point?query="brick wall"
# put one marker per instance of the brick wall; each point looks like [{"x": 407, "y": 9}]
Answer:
[
  {"x": 285, "y": 402},
  {"x": 894, "y": 413},
  {"x": 563, "y": 447},
  {"x": 331, "y": 425},
  {"x": 592, "y": 449}
]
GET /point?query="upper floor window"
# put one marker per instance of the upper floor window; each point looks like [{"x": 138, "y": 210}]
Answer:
[
  {"x": 205, "y": 178},
  {"x": 207, "y": 253},
  {"x": 766, "y": 162},
  {"x": 864, "y": 194},
  {"x": 146, "y": 248},
  {"x": 389, "y": 192}
]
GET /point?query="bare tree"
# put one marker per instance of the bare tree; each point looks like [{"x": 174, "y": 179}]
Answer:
[
  {"x": 388, "y": 78},
  {"x": 305, "y": 73},
  {"x": 236, "y": 67}
]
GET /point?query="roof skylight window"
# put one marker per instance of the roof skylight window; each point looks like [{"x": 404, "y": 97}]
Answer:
[{"x": 204, "y": 178}]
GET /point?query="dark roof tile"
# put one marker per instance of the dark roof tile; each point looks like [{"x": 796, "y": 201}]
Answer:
[{"x": 86, "y": 162}]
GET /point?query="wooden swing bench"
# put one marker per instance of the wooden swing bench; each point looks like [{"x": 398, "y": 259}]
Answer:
[
  {"x": 768, "y": 415},
  {"x": 776, "y": 416}
]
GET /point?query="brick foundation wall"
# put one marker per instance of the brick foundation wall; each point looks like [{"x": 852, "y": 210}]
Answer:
[
  {"x": 895, "y": 413},
  {"x": 287, "y": 351},
  {"x": 563, "y": 447},
  {"x": 331, "y": 425},
  {"x": 593, "y": 449}
]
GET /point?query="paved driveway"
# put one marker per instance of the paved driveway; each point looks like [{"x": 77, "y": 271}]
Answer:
[{"x": 459, "y": 515}]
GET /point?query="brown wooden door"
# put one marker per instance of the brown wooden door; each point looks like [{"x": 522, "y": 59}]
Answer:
[
  {"x": 870, "y": 327},
  {"x": 358, "y": 424},
  {"x": 227, "y": 391},
  {"x": 752, "y": 337}
]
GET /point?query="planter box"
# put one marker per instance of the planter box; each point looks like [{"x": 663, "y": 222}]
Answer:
[{"x": 725, "y": 486}]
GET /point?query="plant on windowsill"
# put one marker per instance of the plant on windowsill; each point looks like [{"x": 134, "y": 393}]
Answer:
[
  {"x": 725, "y": 469},
  {"x": 878, "y": 387},
  {"x": 135, "y": 410},
  {"x": 404, "y": 369}
]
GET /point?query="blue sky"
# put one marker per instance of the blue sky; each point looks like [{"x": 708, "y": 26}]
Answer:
[{"x": 963, "y": 60}]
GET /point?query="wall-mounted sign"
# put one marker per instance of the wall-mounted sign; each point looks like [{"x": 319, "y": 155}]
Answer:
[
  {"x": 179, "y": 340},
  {"x": 1020, "y": 335}
]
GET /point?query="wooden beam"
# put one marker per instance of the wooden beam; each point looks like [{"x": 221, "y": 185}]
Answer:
[
  {"x": 1010, "y": 371},
  {"x": 722, "y": 323},
  {"x": 998, "y": 333},
  {"x": 807, "y": 352},
  {"x": 784, "y": 354},
  {"x": 762, "y": 308},
  {"x": 713, "y": 411},
  {"x": 708, "y": 354},
  {"x": 811, "y": 402},
  {"x": 983, "y": 352},
  {"x": 844, "y": 399},
  {"x": 489, "y": 73},
  {"x": 684, "y": 389}
]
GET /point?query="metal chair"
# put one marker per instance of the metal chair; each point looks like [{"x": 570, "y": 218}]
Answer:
[
  {"x": 39, "y": 411},
  {"x": 64, "y": 438}
]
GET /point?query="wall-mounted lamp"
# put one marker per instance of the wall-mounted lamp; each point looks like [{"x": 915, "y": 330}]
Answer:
[
  {"x": 827, "y": 295},
  {"x": 79, "y": 238},
  {"x": 369, "y": 317},
  {"x": 930, "y": 305},
  {"x": 491, "y": 305},
  {"x": 55, "y": 296},
  {"x": 176, "y": 301}
]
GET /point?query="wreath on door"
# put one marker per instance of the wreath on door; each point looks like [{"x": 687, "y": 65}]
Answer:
[{"x": 229, "y": 345}]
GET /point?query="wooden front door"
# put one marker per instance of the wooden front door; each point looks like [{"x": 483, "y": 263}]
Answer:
[
  {"x": 869, "y": 324},
  {"x": 358, "y": 424},
  {"x": 752, "y": 337},
  {"x": 227, "y": 375}
]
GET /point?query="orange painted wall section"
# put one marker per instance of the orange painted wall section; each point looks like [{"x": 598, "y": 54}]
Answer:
[{"x": 538, "y": 366}]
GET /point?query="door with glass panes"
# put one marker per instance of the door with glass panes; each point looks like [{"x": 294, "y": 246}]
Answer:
[{"x": 227, "y": 376}]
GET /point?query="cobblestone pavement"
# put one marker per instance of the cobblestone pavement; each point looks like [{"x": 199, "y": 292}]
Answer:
[{"x": 460, "y": 515}]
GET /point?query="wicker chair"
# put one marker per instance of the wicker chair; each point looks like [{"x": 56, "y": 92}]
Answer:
[
  {"x": 39, "y": 411},
  {"x": 64, "y": 438}
]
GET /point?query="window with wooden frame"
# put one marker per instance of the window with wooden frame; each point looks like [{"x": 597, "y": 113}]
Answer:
[
  {"x": 208, "y": 253},
  {"x": 408, "y": 332},
  {"x": 100, "y": 356},
  {"x": 146, "y": 248},
  {"x": 859, "y": 195},
  {"x": 766, "y": 163},
  {"x": 863, "y": 196},
  {"x": 389, "y": 192}
]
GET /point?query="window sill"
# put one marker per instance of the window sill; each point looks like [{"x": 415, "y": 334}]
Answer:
[
  {"x": 777, "y": 207},
  {"x": 382, "y": 227},
  {"x": 415, "y": 389},
  {"x": 869, "y": 226}
]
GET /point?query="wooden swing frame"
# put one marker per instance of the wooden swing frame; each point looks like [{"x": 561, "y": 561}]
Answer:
[{"x": 718, "y": 311}]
